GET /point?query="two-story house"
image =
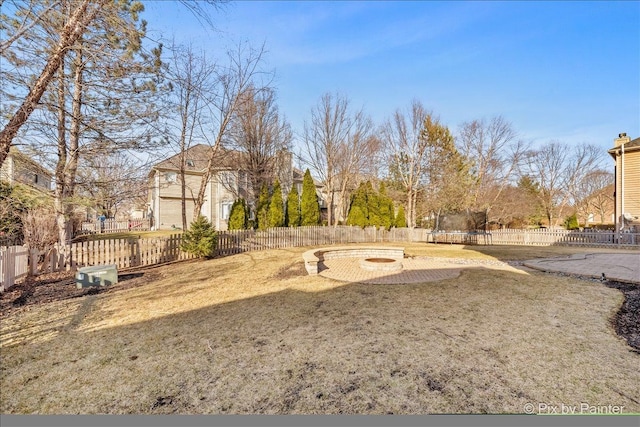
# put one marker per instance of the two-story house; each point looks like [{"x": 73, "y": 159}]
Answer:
[
  {"x": 228, "y": 182},
  {"x": 19, "y": 168},
  {"x": 626, "y": 154}
]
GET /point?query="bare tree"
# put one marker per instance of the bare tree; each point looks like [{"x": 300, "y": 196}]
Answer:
[
  {"x": 263, "y": 136},
  {"x": 558, "y": 169},
  {"x": 495, "y": 152},
  {"x": 233, "y": 82},
  {"x": 338, "y": 145},
  {"x": 595, "y": 195},
  {"x": 357, "y": 161},
  {"x": 112, "y": 182},
  {"x": 192, "y": 80},
  {"x": 39, "y": 228},
  {"x": 406, "y": 152}
]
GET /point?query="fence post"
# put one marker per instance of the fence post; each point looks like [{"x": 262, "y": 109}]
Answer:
[{"x": 34, "y": 256}]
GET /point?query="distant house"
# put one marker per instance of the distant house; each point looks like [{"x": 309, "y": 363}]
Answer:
[
  {"x": 626, "y": 154},
  {"x": 600, "y": 207},
  {"x": 227, "y": 183},
  {"x": 20, "y": 168}
]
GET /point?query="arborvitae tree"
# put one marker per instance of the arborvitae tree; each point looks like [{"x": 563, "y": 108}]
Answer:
[
  {"x": 386, "y": 207},
  {"x": 262, "y": 213},
  {"x": 373, "y": 206},
  {"x": 238, "y": 215},
  {"x": 293, "y": 208},
  {"x": 571, "y": 222},
  {"x": 401, "y": 219},
  {"x": 201, "y": 239},
  {"x": 276, "y": 207},
  {"x": 359, "y": 211},
  {"x": 309, "y": 209}
]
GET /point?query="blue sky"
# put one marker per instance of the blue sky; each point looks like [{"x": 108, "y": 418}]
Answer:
[{"x": 567, "y": 71}]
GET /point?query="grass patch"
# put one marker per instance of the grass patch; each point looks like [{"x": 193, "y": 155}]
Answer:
[{"x": 252, "y": 333}]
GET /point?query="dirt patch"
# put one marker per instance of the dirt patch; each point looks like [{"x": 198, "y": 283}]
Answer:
[
  {"x": 59, "y": 286},
  {"x": 627, "y": 320},
  {"x": 290, "y": 271}
]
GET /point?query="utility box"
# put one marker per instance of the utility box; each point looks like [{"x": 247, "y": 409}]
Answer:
[{"x": 96, "y": 275}]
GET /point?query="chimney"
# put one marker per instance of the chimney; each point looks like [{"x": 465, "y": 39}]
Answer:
[{"x": 621, "y": 139}]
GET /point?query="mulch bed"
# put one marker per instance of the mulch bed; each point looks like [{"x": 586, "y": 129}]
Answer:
[
  {"x": 627, "y": 320},
  {"x": 50, "y": 287},
  {"x": 60, "y": 286}
]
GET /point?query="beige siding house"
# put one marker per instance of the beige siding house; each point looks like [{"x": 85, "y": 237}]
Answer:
[
  {"x": 228, "y": 183},
  {"x": 19, "y": 168},
  {"x": 626, "y": 154}
]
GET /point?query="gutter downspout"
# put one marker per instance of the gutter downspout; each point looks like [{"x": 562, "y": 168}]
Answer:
[
  {"x": 622, "y": 188},
  {"x": 217, "y": 206}
]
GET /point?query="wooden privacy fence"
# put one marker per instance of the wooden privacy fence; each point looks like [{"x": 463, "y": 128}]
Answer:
[
  {"x": 545, "y": 237},
  {"x": 14, "y": 265},
  {"x": 124, "y": 253},
  {"x": 232, "y": 242},
  {"x": 238, "y": 241},
  {"x": 135, "y": 252},
  {"x": 113, "y": 226}
]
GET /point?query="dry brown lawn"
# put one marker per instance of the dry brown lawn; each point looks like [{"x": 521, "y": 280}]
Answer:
[{"x": 253, "y": 334}]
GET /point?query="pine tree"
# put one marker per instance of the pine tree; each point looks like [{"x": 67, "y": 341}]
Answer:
[
  {"x": 293, "y": 208},
  {"x": 238, "y": 215},
  {"x": 309, "y": 207},
  {"x": 201, "y": 239},
  {"x": 358, "y": 211},
  {"x": 276, "y": 207},
  {"x": 401, "y": 219},
  {"x": 262, "y": 214}
]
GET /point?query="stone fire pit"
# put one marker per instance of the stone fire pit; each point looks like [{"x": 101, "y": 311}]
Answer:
[{"x": 380, "y": 264}]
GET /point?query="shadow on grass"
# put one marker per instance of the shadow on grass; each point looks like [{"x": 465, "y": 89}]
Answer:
[{"x": 460, "y": 346}]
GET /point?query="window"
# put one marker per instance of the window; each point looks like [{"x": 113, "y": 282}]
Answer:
[
  {"x": 228, "y": 180},
  {"x": 190, "y": 163},
  {"x": 225, "y": 210},
  {"x": 171, "y": 177}
]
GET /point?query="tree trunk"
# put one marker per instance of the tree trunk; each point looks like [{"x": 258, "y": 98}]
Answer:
[
  {"x": 71, "y": 32},
  {"x": 183, "y": 189},
  {"x": 68, "y": 158},
  {"x": 206, "y": 176},
  {"x": 62, "y": 157},
  {"x": 330, "y": 207}
]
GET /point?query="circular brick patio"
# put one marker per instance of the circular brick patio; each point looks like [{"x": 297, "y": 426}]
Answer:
[{"x": 414, "y": 270}]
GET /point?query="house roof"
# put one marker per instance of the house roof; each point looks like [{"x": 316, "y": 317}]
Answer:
[
  {"x": 31, "y": 164},
  {"x": 197, "y": 157},
  {"x": 632, "y": 145}
]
